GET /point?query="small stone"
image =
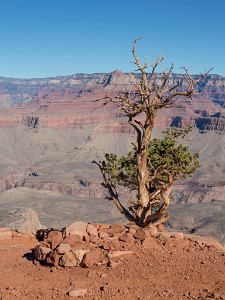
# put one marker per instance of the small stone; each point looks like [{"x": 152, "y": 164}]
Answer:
[
  {"x": 117, "y": 227},
  {"x": 141, "y": 234},
  {"x": 126, "y": 237},
  {"x": 78, "y": 293},
  {"x": 115, "y": 244},
  {"x": 103, "y": 235},
  {"x": 92, "y": 230},
  {"x": 113, "y": 254},
  {"x": 103, "y": 226},
  {"x": 152, "y": 230},
  {"x": 63, "y": 248},
  {"x": 91, "y": 258},
  {"x": 132, "y": 230},
  {"x": 41, "y": 252}
]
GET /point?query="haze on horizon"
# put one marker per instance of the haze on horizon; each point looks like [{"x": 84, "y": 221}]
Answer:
[{"x": 49, "y": 38}]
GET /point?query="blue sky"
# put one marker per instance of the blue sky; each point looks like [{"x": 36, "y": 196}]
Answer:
[{"x": 41, "y": 38}]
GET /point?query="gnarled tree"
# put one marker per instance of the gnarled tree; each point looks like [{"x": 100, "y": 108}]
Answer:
[{"x": 152, "y": 167}]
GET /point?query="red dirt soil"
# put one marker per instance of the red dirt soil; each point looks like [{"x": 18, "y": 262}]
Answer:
[{"x": 179, "y": 269}]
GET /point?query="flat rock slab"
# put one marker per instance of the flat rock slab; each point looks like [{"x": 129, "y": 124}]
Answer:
[{"x": 113, "y": 254}]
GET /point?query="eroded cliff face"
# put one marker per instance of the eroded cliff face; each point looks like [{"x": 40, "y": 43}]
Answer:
[
  {"x": 69, "y": 102},
  {"x": 55, "y": 127}
]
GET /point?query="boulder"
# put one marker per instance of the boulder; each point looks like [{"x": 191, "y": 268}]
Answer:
[
  {"x": 23, "y": 220},
  {"x": 78, "y": 228}
]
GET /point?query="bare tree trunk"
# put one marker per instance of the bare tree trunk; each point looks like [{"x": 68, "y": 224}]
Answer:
[{"x": 142, "y": 165}]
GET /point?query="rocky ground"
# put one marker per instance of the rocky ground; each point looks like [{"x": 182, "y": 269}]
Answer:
[{"x": 172, "y": 266}]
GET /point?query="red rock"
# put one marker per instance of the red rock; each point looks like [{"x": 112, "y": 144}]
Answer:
[
  {"x": 92, "y": 230},
  {"x": 107, "y": 245},
  {"x": 132, "y": 230},
  {"x": 54, "y": 238},
  {"x": 150, "y": 243},
  {"x": 141, "y": 234},
  {"x": 126, "y": 237},
  {"x": 72, "y": 258},
  {"x": 63, "y": 248},
  {"x": 92, "y": 258},
  {"x": 45, "y": 244},
  {"x": 103, "y": 226},
  {"x": 115, "y": 244},
  {"x": 133, "y": 226},
  {"x": 103, "y": 235},
  {"x": 78, "y": 246},
  {"x": 53, "y": 258},
  {"x": 113, "y": 254},
  {"x": 118, "y": 234},
  {"x": 152, "y": 230},
  {"x": 78, "y": 228},
  {"x": 93, "y": 239},
  {"x": 72, "y": 239},
  {"x": 86, "y": 238},
  {"x": 41, "y": 252},
  {"x": 117, "y": 227}
]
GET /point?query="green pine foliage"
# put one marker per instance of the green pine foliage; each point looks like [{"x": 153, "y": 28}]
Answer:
[{"x": 166, "y": 157}]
